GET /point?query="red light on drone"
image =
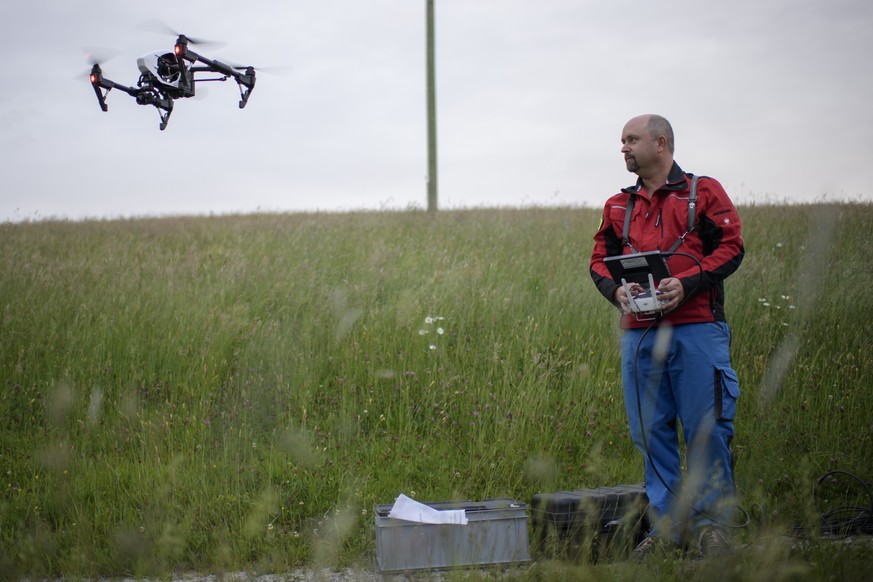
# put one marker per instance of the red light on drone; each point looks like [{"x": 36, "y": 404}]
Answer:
[
  {"x": 178, "y": 50},
  {"x": 93, "y": 78}
]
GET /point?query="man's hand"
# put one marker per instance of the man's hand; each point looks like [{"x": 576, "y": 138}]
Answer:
[
  {"x": 670, "y": 293},
  {"x": 621, "y": 297}
]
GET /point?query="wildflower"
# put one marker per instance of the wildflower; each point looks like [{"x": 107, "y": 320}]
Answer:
[{"x": 441, "y": 331}]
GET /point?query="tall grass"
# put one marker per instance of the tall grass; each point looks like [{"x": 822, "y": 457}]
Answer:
[{"x": 234, "y": 393}]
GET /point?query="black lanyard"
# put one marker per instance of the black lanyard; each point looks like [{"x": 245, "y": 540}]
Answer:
[{"x": 692, "y": 205}]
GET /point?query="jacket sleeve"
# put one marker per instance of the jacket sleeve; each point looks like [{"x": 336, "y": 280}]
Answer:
[
  {"x": 719, "y": 229},
  {"x": 606, "y": 243}
]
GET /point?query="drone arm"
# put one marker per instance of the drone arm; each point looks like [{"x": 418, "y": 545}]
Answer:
[
  {"x": 245, "y": 80},
  {"x": 102, "y": 86}
]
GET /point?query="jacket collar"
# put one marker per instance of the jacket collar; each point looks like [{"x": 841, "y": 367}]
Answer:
[{"x": 676, "y": 181}]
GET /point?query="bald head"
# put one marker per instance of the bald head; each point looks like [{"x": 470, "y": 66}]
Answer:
[{"x": 657, "y": 126}]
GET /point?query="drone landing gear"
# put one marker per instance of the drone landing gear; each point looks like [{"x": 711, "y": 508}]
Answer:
[
  {"x": 165, "y": 118},
  {"x": 101, "y": 96},
  {"x": 246, "y": 84},
  {"x": 244, "y": 96}
]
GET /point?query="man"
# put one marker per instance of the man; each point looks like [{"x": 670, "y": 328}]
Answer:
[{"x": 676, "y": 363}]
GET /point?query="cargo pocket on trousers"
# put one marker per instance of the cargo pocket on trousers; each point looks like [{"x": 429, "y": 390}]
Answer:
[{"x": 727, "y": 390}]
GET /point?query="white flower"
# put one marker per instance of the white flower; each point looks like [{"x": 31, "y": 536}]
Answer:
[
  {"x": 428, "y": 320},
  {"x": 441, "y": 331}
]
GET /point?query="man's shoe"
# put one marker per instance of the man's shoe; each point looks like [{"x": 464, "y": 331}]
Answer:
[
  {"x": 712, "y": 541},
  {"x": 649, "y": 546}
]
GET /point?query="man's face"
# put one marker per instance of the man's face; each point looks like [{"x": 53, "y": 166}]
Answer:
[{"x": 640, "y": 149}]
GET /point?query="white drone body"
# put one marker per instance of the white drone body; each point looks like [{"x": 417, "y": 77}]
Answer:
[{"x": 162, "y": 66}]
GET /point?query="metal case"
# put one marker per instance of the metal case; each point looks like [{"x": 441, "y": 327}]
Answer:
[{"x": 496, "y": 533}]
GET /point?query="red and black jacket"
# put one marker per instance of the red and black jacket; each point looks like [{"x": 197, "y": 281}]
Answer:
[{"x": 656, "y": 223}]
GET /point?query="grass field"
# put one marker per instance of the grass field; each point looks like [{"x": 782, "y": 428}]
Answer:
[{"x": 237, "y": 393}]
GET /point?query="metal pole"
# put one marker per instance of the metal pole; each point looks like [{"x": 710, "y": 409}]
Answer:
[{"x": 431, "y": 114}]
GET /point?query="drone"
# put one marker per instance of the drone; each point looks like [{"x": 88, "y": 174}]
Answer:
[{"x": 167, "y": 76}]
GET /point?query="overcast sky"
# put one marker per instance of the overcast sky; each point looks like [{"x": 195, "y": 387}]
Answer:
[{"x": 772, "y": 97}]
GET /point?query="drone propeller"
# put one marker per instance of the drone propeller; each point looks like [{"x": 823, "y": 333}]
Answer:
[
  {"x": 95, "y": 56},
  {"x": 159, "y": 27},
  {"x": 99, "y": 55},
  {"x": 279, "y": 71}
]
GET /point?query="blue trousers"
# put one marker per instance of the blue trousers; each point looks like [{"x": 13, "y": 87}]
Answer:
[{"x": 683, "y": 374}]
